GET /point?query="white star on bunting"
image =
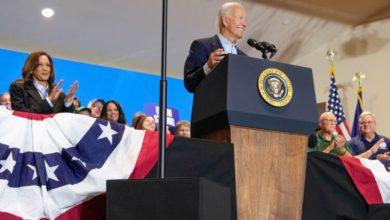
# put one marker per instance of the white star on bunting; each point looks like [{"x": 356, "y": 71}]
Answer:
[
  {"x": 107, "y": 132},
  {"x": 7, "y": 164},
  {"x": 50, "y": 172},
  {"x": 34, "y": 169}
]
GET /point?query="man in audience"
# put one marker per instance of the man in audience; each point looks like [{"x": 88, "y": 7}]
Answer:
[
  {"x": 327, "y": 140},
  {"x": 206, "y": 53},
  {"x": 5, "y": 99},
  {"x": 183, "y": 129},
  {"x": 369, "y": 144}
]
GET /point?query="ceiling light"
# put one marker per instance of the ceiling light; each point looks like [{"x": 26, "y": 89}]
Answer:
[{"x": 47, "y": 12}]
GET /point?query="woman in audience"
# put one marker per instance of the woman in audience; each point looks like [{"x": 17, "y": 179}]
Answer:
[
  {"x": 37, "y": 92},
  {"x": 76, "y": 104},
  {"x": 183, "y": 129},
  {"x": 113, "y": 112},
  {"x": 144, "y": 122},
  {"x": 96, "y": 106}
]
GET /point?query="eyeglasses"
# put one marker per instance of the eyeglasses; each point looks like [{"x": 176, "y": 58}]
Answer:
[
  {"x": 329, "y": 120},
  {"x": 366, "y": 122}
]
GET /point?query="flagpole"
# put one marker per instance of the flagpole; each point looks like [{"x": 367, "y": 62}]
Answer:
[
  {"x": 359, "y": 77},
  {"x": 334, "y": 102},
  {"x": 163, "y": 93},
  {"x": 330, "y": 54}
]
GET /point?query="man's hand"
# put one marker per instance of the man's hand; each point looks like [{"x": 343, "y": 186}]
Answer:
[
  {"x": 376, "y": 146},
  {"x": 72, "y": 91},
  {"x": 340, "y": 146},
  {"x": 340, "y": 142},
  {"x": 215, "y": 58},
  {"x": 55, "y": 92},
  {"x": 330, "y": 147}
]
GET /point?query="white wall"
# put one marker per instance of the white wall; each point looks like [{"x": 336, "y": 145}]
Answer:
[{"x": 365, "y": 48}]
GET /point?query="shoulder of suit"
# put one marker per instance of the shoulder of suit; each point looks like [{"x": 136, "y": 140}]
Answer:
[
  {"x": 384, "y": 137},
  {"x": 206, "y": 40}
]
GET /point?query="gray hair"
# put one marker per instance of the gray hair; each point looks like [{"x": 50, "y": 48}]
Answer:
[
  {"x": 4, "y": 94},
  {"x": 366, "y": 113},
  {"x": 225, "y": 10}
]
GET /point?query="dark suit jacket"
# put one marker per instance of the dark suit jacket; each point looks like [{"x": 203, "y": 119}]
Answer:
[
  {"x": 26, "y": 98},
  {"x": 200, "y": 51}
]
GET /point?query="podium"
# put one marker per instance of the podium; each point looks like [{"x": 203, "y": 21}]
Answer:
[{"x": 269, "y": 142}]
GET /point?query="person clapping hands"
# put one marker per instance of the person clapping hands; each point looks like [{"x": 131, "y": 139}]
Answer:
[{"x": 37, "y": 92}]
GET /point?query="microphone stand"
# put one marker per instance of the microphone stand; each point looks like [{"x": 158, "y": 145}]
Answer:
[
  {"x": 163, "y": 93},
  {"x": 264, "y": 55}
]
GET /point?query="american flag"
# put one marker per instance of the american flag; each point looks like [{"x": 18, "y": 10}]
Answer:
[
  {"x": 335, "y": 106},
  {"x": 56, "y": 166}
]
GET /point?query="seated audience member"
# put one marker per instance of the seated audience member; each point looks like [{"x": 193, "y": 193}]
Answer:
[
  {"x": 144, "y": 122},
  {"x": 113, "y": 112},
  {"x": 327, "y": 140},
  {"x": 183, "y": 129},
  {"x": 83, "y": 111},
  {"x": 76, "y": 103},
  {"x": 369, "y": 144},
  {"x": 5, "y": 100},
  {"x": 37, "y": 92},
  {"x": 96, "y": 106}
]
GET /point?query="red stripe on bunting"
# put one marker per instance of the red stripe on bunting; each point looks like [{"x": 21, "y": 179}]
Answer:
[
  {"x": 148, "y": 155},
  {"x": 7, "y": 216},
  {"x": 32, "y": 116},
  {"x": 94, "y": 208},
  {"x": 363, "y": 179}
]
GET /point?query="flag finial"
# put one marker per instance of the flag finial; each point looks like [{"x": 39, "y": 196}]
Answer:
[
  {"x": 331, "y": 54},
  {"x": 359, "y": 76}
]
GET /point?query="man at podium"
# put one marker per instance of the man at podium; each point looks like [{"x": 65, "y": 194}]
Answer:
[{"x": 206, "y": 53}]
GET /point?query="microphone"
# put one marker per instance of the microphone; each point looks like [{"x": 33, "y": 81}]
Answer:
[
  {"x": 258, "y": 45},
  {"x": 268, "y": 46},
  {"x": 263, "y": 46},
  {"x": 252, "y": 42},
  {"x": 271, "y": 48}
]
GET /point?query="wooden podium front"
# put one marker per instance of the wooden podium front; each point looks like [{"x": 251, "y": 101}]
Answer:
[
  {"x": 271, "y": 186},
  {"x": 269, "y": 142}
]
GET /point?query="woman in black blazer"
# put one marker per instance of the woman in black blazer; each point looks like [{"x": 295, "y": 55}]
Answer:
[{"x": 37, "y": 92}]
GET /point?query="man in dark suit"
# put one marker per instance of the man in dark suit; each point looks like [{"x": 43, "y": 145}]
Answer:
[
  {"x": 206, "y": 53},
  {"x": 37, "y": 93}
]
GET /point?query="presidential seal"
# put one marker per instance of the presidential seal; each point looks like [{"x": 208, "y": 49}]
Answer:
[{"x": 275, "y": 87}]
